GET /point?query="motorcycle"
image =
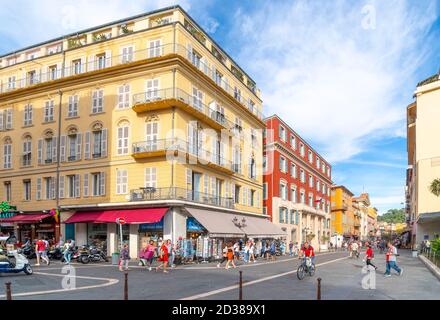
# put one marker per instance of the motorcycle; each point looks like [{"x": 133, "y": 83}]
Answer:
[
  {"x": 14, "y": 262},
  {"x": 29, "y": 251},
  {"x": 94, "y": 255},
  {"x": 55, "y": 253}
]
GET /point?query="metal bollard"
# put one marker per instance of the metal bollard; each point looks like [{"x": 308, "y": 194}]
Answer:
[
  {"x": 240, "y": 288},
  {"x": 8, "y": 291},
  {"x": 126, "y": 286},
  {"x": 318, "y": 297}
]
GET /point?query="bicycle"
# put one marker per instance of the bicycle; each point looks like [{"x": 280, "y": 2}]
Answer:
[{"x": 306, "y": 267}]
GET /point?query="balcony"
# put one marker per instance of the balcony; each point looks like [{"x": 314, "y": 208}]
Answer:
[
  {"x": 175, "y": 97},
  {"x": 173, "y": 193},
  {"x": 181, "y": 151},
  {"x": 154, "y": 148},
  {"x": 106, "y": 62}
]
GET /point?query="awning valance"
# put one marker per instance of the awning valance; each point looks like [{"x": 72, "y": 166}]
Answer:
[
  {"x": 256, "y": 227},
  {"x": 26, "y": 218},
  {"x": 219, "y": 224},
  {"x": 131, "y": 216}
]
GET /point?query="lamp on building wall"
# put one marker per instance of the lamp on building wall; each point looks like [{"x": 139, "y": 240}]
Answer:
[{"x": 239, "y": 224}]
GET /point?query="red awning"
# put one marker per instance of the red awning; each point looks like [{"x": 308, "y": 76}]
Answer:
[
  {"x": 133, "y": 216},
  {"x": 26, "y": 218}
]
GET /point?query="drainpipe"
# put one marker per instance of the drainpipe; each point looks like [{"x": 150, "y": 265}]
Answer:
[{"x": 60, "y": 92}]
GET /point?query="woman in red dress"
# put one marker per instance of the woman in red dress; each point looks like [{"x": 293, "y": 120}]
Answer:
[{"x": 164, "y": 256}]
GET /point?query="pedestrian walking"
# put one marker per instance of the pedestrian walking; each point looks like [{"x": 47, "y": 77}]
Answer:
[
  {"x": 163, "y": 257},
  {"x": 143, "y": 257},
  {"x": 391, "y": 259},
  {"x": 41, "y": 251},
  {"x": 252, "y": 249},
  {"x": 236, "y": 248},
  {"x": 67, "y": 251},
  {"x": 151, "y": 250},
  {"x": 171, "y": 253},
  {"x": 124, "y": 259},
  {"x": 230, "y": 256},
  {"x": 224, "y": 255},
  {"x": 273, "y": 250},
  {"x": 291, "y": 248},
  {"x": 369, "y": 255},
  {"x": 246, "y": 252}
]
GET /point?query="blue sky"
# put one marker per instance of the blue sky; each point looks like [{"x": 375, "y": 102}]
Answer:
[{"x": 340, "y": 72}]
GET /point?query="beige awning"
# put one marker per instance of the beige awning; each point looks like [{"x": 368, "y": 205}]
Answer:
[
  {"x": 218, "y": 224},
  {"x": 256, "y": 227}
]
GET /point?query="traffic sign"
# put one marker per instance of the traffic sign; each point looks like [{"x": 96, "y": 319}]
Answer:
[{"x": 120, "y": 221}]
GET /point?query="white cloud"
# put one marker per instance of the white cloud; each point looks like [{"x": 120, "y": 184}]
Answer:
[
  {"x": 211, "y": 25},
  {"x": 27, "y": 21},
  {"x": 336, "y": 82}
]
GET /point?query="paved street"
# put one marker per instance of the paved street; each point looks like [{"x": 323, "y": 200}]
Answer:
[{"x": 341, "y": 279}]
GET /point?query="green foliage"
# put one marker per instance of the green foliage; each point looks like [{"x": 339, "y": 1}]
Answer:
[
  {"x": 435, "y": 187},
  {"x": 436, "y": 246},
  {"x": 393, "y": 216}
]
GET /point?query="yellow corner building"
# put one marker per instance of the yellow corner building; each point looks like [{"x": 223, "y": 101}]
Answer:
[{"x": 145, "y": 118}]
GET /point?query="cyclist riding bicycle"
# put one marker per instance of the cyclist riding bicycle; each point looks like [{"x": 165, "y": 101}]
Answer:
[{"x": 307, "y": 251}]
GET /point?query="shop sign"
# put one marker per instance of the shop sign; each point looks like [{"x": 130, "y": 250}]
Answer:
[
  {"x": 151, "y": 226},
  {"x": 6, "y": 207},
  {"x": 5, "y": 215},
  {"x": 193, "y": 225}
]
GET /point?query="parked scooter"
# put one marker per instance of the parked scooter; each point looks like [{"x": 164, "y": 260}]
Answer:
[
  {"x": 55, "y": 253},
  {"x": 28, "y": 251},
  {"x": 94, "y": 255},
  {"x": 14, "y": 262}
]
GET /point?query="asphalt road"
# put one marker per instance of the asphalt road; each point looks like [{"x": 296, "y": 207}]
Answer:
[{"x": 341, "y": 279}]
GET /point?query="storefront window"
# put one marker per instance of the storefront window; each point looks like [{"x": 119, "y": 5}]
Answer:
[{"x": 97, "y": 234}]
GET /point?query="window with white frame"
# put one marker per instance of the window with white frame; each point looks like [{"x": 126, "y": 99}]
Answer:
[
  {"x": 310, "y": 156},
  {"x": 28, "y": 115},
  {"x": 27, "y": 151},
  {"x": 197, "y": 98},
  {"x": 76, "y": 66},
  {"x": 302, "y": 196},
  {"x": 7, "y": 154},
  {"x": 293, "y": 172},
  {"x": 97, "y": 136},
  {"x": 152, "y": 88},
  {"x": 283, "y": 164},
  {"x": 318, "y": 163},
  {"x": 302, "y": 176},
  {"x": 282, "y": 133},
  {"x": 72, "y": 141},
  {"x": 53, "y": 72},
  {"x": 98, "y": 101},
  {"x": 301, "y": 149},
  {"x": 98, "y": 184},
  {"x": 49, "y": 149},
  {"x": 328, "y": 171},
  {"x": 49, "y": 188},
  {"x": 8, "y": 190},
  {"x": 11, "y": 83},
  {"x": 124, "y": 96},
  {"x": 154, "y": 48},
  {"x": 293, "y": 141},
  {"x": 283, "y": 190},
  {"x": 27, "y": 190},
  {"x": 49, "y": 111},
  {"x": 72, "y": 110},
  {"x": 293, "y": 194},
  {"x": 100, "y": 61},
  {"x": 73, "y": 186},
  {"x": 122, "y": 139},
  {"x": 310, "y": 200},
  {"x": 121, "y": 181},
  {"x": 310, "y": 181},
  {"x": 150, "y": 177},
  {"x": 127, "y": 54}
]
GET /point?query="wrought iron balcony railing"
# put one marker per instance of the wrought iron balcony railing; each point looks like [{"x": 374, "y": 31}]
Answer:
[
  {"x": 100, "y": 62},
  {"x": 185, "y": 148},
  {"x": 174, "y": 193}
]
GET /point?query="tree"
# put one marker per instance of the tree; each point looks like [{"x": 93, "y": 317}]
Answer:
[
  {"x": 435, "y": 187},
  {"x": 393, "y": 216}
]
